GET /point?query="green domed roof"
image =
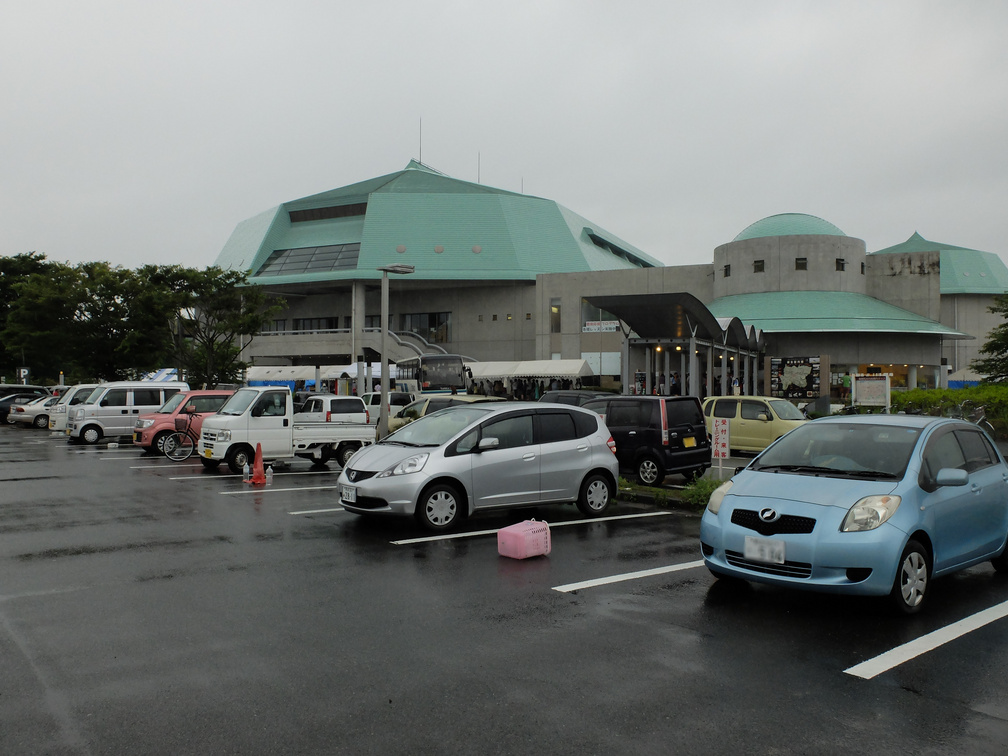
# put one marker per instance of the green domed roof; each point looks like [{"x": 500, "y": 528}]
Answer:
[{"x": 789, "y": 224}]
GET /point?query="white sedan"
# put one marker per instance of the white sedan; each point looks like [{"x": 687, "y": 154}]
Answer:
[{"x": 35, "y": 412}]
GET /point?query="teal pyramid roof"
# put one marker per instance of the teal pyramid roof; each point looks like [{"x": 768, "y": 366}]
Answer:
[{"x": 963, "y": 270}]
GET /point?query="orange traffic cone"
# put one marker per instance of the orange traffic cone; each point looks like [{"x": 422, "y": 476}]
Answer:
[{"x": 258, "y": 474}]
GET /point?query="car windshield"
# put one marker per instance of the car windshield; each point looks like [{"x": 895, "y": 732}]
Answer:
[
  {"x": 437, "y": 428},
  {"x": 173, "y": 402},
  {"x": 93, "y": 396},
  {"x": 860, "y": 450},
  {"x": 239, "y": 402},
  {"x": 785, "y": 410}
]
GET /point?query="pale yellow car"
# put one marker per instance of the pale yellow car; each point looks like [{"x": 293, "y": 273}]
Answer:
[
  {"x": 432, "y": 403},
  {"x": 755, "y": 422}
]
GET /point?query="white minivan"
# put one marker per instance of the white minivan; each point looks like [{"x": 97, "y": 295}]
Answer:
[
  {"x": 112, "y": 408},
  {"x": 70, "y": 398}
]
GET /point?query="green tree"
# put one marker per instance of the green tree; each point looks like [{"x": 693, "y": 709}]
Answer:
[
  {"x": 995, "y": 364},
  {"x": 14, "y": 270},
  {"x": 42, "y": 328},
  {"x": 218, "y": 315}
]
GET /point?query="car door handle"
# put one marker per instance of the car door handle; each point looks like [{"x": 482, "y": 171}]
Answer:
[
  {"x": 975, "y": 488},
  {"x": 632, "y": 433},
  {"x": 582, "y": 447},
  {"x": 528, "y": 456}
]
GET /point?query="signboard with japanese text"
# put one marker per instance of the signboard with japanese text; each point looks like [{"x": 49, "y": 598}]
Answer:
[{"x": 722, "y": 444}]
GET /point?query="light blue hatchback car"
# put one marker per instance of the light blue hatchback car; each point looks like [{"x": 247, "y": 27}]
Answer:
[{"x": 873, "y": 505}]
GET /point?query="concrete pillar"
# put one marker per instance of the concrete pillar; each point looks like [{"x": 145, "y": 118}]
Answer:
[
  {"x": 911, "y": 377},
  {"x": 694, "y": 367}
]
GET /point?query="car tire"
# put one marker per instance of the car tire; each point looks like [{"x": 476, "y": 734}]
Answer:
[
  {"x": 912, "y": 573},
  {"x": 1000, "y": 563},
  {"x": 91, "y": 435},
  {"x": 344, "y": 452},
  {"x": 439, "y": 507},
  {"x": 596, "y": 495},
  {"x": 41, "y": 422},
  {"x": 240, "y": 456},
  {"x": 210, "y": 464},
  {"x": 157, "y": 445},
  {"x": 649, "y": 471}
]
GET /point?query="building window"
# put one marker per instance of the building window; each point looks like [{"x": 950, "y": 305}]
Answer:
[
  {"x": 727, "y": 271},
  {"x": 555, "y": 315},
  {"x": 435, "y": 327},
  {"x": 758, "y": 266},
  {"x": 372, "y": 321},
  {"x": 276, "y": 326},
  {"x": 528, "y": 316},
  {"x": 479, "y": 318},
  {"x": 316, "y": 324},
  {"x": 495, "y": 316},
  {"x": 862, "y": 268},
  {"x": 509, "y": 316},
  {"x": 801, "y": 263},
  {"x": 841, "y": 264}
]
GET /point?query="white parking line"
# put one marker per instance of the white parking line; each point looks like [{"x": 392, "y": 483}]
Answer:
[
  {"x": 475, "y": 533},
  {"x": 571, "y": 587},
  {"x": 894, "y": 657},
  {"x": 272, "y": 489},
  {"x": 317, "y": 511}
]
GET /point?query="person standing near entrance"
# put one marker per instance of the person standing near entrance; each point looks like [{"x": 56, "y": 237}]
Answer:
[{"x": 846, "y": 386}]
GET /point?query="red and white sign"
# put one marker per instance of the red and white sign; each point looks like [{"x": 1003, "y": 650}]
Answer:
[{"x": 722, "y": 447}]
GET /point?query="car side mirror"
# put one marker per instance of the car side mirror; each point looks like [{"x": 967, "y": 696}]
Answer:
[
  {"x": 488, "y": 443},
  {"x": 763, "y": 416},
  {"x": 952, "y": 476}
]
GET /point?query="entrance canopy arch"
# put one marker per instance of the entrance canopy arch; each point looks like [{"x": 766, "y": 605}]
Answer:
[{"x": 682, "y": 321}]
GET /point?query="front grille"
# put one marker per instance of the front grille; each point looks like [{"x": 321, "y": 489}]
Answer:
[
  {"x": 787, "y": 524},
  {"x": 788, "y": 569},
  {"x": 369, "y": 502},
  {"x": 356, "y": 476}
]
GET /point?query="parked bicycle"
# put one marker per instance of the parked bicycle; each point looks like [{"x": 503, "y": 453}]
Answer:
[
  {"x": 972, "y": 413},
  {"x": 181, "y": 444}
]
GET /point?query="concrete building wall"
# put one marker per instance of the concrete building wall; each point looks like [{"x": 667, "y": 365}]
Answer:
[
  {"x": 967, "y": 313},
  {"x": 778, "y": 254},
  {"x": 911, "y": 281}
]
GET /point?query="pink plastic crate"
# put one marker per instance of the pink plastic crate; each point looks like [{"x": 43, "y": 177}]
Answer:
[{"x": 524, "y": 539}]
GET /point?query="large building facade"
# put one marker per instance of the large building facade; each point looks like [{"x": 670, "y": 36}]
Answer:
[{"x": 500, "y": 276}]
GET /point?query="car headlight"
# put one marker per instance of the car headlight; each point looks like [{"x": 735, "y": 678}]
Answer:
[
  {"x": 141, "y": 424},
  {"x": 714, "y": 503},
  {"x": 869, "y": 513},
  {"x": 60, "y": 409},
  {"x": 224, "y": 435},
  {"x": 409, "y": 465}
]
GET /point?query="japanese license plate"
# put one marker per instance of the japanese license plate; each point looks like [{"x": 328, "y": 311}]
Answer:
[
  {"x": 208, "y": 453},
  {"x": 769, "y": 550},
  {"x": 348, "y": 494},
  {"x": 689, "y": 442}
]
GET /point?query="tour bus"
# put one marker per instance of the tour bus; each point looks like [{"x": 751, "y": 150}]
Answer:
[{"x": 432, "y": 374}]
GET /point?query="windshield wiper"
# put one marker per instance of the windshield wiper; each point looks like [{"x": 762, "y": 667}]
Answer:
[{"x": 799, "y": 468}]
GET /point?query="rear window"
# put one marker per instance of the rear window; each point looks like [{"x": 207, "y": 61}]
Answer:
[
  {"x": 146, "y": 397},
  {"x": 724, "y": 407},
  {"x": 347, "y": 405},
  {"x": 683, "y": 412},
  {"x": 556, "y": 426}
]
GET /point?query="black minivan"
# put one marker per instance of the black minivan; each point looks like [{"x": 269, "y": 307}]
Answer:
[{"x": 657, "y": 435}]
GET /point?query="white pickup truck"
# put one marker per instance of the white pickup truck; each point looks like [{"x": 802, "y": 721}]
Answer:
[{"x": 265, "y": 415}]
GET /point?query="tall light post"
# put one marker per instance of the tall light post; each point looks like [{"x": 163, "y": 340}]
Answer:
[{"x": 402, "y": 270}]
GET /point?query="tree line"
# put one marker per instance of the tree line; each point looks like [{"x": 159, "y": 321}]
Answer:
[{"x": 95, "y": 321}]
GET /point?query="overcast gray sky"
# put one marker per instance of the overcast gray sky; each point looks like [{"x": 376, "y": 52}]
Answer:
[{"x": 143, "y": 132}]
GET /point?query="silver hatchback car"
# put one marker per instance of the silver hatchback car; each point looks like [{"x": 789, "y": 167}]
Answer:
[{"x": 468, "y": 458}]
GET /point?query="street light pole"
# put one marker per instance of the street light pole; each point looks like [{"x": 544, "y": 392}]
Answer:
[{"x": 384, "y": 411}]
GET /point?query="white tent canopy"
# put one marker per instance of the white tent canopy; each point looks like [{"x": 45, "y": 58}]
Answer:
[{"x": 530, "y": 369}]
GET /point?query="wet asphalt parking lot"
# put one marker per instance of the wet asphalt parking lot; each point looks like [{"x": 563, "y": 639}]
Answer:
[{"x": 148, "y": 606}]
